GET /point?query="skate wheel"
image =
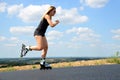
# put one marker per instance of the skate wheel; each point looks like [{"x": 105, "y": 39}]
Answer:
[
  {"x": 50, "y": 67},
  {"x": 46, "y": 68}
]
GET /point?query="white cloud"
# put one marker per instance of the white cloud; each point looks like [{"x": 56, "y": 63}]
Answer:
[
  {"x": 117, "y": 34},
  {"x": 112, "y": 46},
  {"x": 117, "y": 37},
  {"x": 2, "y": 6},
  {"x": 12, "y": 42},
  {"x": 74, "y": 45},
  {"x": 79, "y": 30},
  {"x": 10, "y": 45},
  {"x": 82, "y": 1},
  {"x": 94, "y": 3},
  {"x": 14, "y": 39},
  {"x": 2, "y": 38},
  {"x": 32, "y": 13},
  {"x": 92, "y": 45},
  {"x": 117, "y": 31},
  {"x": 14, "y": 9},
  {"x": 84, "y": 34},
  {"x": 70, "y": 16},
  {"x": 81, "y": 8},
  {"x": 54, "y": 35},
  {"x": 9, "y": 42},
  {"x": 25, "y": 30}
]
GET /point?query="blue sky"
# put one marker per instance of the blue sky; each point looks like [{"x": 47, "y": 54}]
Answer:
[{"x": 88, "y": 28}]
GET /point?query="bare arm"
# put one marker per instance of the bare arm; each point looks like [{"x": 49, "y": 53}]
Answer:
[{"x": 52, "y": 24}]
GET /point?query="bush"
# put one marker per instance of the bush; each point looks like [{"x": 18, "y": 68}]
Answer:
[{"x": 115, "y": 59}]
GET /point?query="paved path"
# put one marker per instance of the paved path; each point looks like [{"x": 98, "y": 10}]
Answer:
[{"x": 103, "y": 72}]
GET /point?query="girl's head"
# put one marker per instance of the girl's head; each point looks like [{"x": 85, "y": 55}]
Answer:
[{"x": 51, "y": 11}]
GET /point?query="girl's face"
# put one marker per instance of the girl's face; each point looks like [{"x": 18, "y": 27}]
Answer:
[{"x": 53, "y": 12}]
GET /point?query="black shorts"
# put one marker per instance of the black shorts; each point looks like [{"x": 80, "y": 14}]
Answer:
[{"x": 39, "y": 33}]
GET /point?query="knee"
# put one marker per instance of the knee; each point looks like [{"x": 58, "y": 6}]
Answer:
[
  {"x": 46, "y": 48},
  {"x": 39, "y": 48}
]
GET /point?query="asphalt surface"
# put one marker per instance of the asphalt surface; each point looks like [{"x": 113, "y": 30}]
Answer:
[{"x": 103, "y": 72}]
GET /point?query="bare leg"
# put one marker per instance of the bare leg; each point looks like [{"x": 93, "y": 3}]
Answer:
[
  {"x": 40, "y": 44},
  {"x": 45, "y": 48}
]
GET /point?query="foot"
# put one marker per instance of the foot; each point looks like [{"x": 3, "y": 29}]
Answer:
[
  {"x": 45, "y": 66},
  {"x": 44, "y": 63},
  {"x": 24, "y": 50}
]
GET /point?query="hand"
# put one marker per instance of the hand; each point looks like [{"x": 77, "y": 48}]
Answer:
[{"x": 57, "y": 21}]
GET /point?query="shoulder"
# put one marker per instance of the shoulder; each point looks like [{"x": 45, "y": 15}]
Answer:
[{"x": 47, "y": 17}]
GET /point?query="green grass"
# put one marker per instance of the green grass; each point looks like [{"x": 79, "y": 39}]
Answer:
[
  {"x": 34, "y": 67},
  {"x": 112, "y": 60},
  {"x": 9, "y": 69},
  {"x": 115, "y": 59}
]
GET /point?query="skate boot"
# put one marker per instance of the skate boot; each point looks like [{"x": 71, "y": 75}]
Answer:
[
  {"x": 24, "y": 50},
  {"x": 44, "y": 65}
]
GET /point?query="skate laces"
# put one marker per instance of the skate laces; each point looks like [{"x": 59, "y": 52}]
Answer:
[
  {"x": 25, "y": 51},
  {"x": 43, "y": 62},
  {"x": 47, "y": 65},
  {"x": 28, "y": 47}
]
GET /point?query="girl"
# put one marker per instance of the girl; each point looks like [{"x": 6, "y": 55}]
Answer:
[{"x": 39, "y": 34}]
